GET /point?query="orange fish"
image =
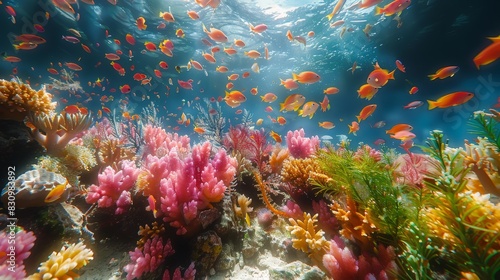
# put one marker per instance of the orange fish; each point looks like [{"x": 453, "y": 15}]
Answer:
[
  {"x": 444, "y": 72},
  {"x": 379, "y": 77},
  {"x": 193, "y": 15},
  {"x": 234, "y": 98},
  {"x": 150, "y": 46},
  {"x": 331, "y": 90},
  {"x": 489, "y": 54},
  {"x": 326, "y": 125},
  {"x": 233, "y": 77},
  {"x": 268, "y": 97},
  {"x": 125, "y": 88},
  {"x": 252, "y": 54},
  {"x": 275, "y": 136},
  {"x": 353, "y": 128},
  {"x": 141, "y": 23},
  {"x": 309, "y": 109},
  {"x": 245, "y": 74},
  {"x": 254, "y": 91},
  {"x": 258, "y": 28},
  {"x": 163, "y": 64},
  {"x": 199, "y": 130},
  {"x": 292, "y": 102},
  {"x": 239, "y": 43},
  {"x": 452, "y": 99},
  {"x": 289, "y": 84},
  {"x": 73, "y": 66},
  {"x": 229, "y": 86},
  {"x": 130, "y": 39},
  {"x": 167, "y": 16},
  {"x": 325, "y": 104},
  {"x": 215, "y": 34},
  {"x": 12, "y": 59},
  {"x": 289, "y": 35},
  {"x": 152, "y": 205},
  {"x": 56, "y": 192},
  {"x": 366, "y": 112},
  {"x": 395, "y": 7},
  {"x": 336, "y": 9},
  {"x": 399, "y": 127},
  {"x": 306, "y": 77},
  {"x": 85, "y": 48},
  {"x": 230, "y": 51},
  {"x": 221, "y": 69},
  {"x": 208, "y": 57},
  {"x": 413, "y": 90},
  {"x": 196, "y": 65},
  {"x": 180, "y": 33},
  {"x": 367, "y": 91}
]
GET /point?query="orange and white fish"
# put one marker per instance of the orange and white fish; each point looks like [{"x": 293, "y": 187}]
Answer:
[
  {"x": 366, "y": 112},
  {"x": 309, "y": 109},
  {"x": 444, "y": 72},
  {"x": 167, "y": 16},
  {"x": 379, "y": 77},
  {"x": 306, "y": 77},
  {"x": 403, "y": 135},
  {"x": 269, "y": 97},
  {"x": 258, "y": 28},
  {"x": 331, "y": 90},
  {"x": 489, "y": 54},
  {"x": 252, "y": 54},
  {"x": 141, "y": 23},
  {"x": 452, "y": 99}
]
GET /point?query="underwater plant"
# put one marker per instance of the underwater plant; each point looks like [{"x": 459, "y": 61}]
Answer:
[
  {"x": 211, "y": 120},
  {"x": 464, "y": 224}
]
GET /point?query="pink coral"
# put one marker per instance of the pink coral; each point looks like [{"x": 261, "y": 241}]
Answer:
[
  {"x": 193, "y": 183},
  {"x": 293, "y": 210},
  {"x": 368, "y": 151},
  {"x": 250, "y": 143},
  {"x": 11, "y": 262},
  {"x": 300, "y": 146},
  {"x": 114, "y": 187},
  {"x": 341, "y": 263},
  {"x": 149, "y": 258},
  {"x": 412, "y": 168},
  {"x": 159, "y": 142},
  {"x": 189, "y": 273}
]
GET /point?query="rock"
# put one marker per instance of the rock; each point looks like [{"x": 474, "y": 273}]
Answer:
[
  {"x": 295, "y": 271},
  {"x": 206, "y": 250},
  {"x": 225, "y": 261}
]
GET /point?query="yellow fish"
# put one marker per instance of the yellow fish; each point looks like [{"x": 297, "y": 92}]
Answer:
[{"x": 56, "y": 192}]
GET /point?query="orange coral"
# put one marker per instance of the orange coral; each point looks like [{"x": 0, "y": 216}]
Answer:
[
  {"x": 277, "y": 157},
  {"x": 297, "y": 171},
  {"x": 149, "y": 232},
  {"x": 355, "y": 226},
  {"x": 17, "y": 99},
  {"x": 110, "y": 152}
]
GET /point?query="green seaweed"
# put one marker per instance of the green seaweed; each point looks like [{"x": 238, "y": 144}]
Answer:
[
  {"x": 370, "y": 183},
  {"x": 485, "y": 125},
  {"x": 474, "y": 250}
]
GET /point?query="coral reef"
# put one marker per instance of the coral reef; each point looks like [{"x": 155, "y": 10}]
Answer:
[
  {"x": 54, "y": 131},
  {"x": 296, "y": 171},
  {"x": 300, "y": 146},
  {"x": 148, "y": 258},
  {"x": 13, "y": 254},
  {"x": 114, "y": 187},
  {"x": 17, "y": 99},
  {"x": 61, "y": 265}
]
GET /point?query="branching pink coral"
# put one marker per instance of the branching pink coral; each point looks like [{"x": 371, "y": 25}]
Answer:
[
  {"x": 11, "y": 262},
  {"x": 149, "y": 258},
  {"x": 189, "y": 273},
  {"x": 193, "y": 183},
  {"x": 341, "y": 263},
  {"x": 300, "y": 146},
  {"x": 159, "y": 142},
  {"x": 114, "y": 187},
  {"x": 368, "y": 151},
  {"x": 326, "y": 220},
  {"x": 412, "y": 168}
]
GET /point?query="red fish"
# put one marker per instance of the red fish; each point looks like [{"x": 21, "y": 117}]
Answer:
[
  {"x": 125, "y": 88},
  {"x": 186, "y": 84}
]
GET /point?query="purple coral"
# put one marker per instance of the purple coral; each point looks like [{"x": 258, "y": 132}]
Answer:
[
  {"x": 300, "y": 146},
  {"x": 114, "y": 187},
  {"x": 11, "y": 262},
  {"x": 149, "y": 258}
]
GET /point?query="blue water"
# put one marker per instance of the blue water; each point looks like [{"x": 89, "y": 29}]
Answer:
[{"x": 434, "y": 34}]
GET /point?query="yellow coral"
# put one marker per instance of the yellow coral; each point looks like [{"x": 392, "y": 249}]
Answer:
[
  {"x": 111, "y": 151},
  {"x": 61, "y": 265},
  {"x": 149, "y": 232},
  {"x": 355, "y": 226},
  {"x": 79, "y": 157},
  {"x": 243, "y": 207},
  {"x": 17, "y": 99},
  {"x": 307, "y": 238},
  {"x": 484, "y": 160},
  {"x": 297, "y": 171}
]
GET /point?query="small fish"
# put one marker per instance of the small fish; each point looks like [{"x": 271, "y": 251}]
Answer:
[
  {"x": 414, "y": 104},
  {"x": 444, "y": 72},
  {"x": 308, "y": 109},
  {"x": 275, "y": 136},
  {"x": 326, "y": 125},
  {"x": 331, "y": 90},
  {"x": 306, "y": 77},
  {"x": 353, "y": 127},
  {"x": 488, "y": 54},
  {"x": 56, "y": 192},
  {"x": 379, "y": 77},
  {"x": 399, "y": 127},
  {"x": 452, "y": 99},
  {"x": 152, "y": 205},
  {"x": 258, "y": 28},
  {"x": 400, "y": 66}
]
